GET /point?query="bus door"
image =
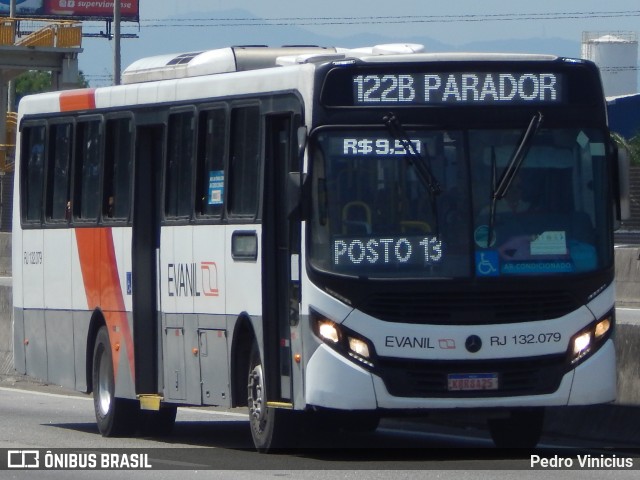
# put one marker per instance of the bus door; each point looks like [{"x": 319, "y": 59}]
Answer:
[
  {"x": 145, "y": 244},
  {"x": 280, "y": 286}
]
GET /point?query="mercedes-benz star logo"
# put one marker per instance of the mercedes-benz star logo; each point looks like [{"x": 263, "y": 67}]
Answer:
[{"x": 473, "y": 343}]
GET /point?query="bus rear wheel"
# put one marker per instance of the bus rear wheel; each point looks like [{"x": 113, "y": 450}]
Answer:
[
  {"x": 522, "y": 429},
  {"x": 114, "y": 416},
  {"x": 270, "y": 427}
]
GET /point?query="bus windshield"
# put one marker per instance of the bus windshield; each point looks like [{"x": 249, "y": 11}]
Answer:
[{"x": 373, "y": 216}]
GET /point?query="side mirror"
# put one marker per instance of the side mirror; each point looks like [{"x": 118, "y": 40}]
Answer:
[
  {"x": 302, "y": 140},
  {"x": 295, "y": 187},
  {"x": 623, "y": 199},
  {"x": 296, "y": 182}
]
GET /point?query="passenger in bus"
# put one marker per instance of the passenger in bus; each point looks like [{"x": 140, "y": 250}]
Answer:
[{"x": 110, "y": 206}]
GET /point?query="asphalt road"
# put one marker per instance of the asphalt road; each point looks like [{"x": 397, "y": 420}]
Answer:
[{"x": 217, "y": 444}]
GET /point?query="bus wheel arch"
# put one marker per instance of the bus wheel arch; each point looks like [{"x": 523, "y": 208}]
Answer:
[
  {"x": 244, "y": 338},
  {"x": 97, "y": 321}
]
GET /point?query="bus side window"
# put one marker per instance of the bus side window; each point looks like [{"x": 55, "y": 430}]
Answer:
[
  {"x": 58, "y": 197},
  {"x": 180, "y": 149},
  {"x": 244, "y": 157},
  {"x": 210, "y": 180},
  {"x": 88, "y": 166},
  {"x": 33, "y": 154},
  {"x": 118, "y": 161}
]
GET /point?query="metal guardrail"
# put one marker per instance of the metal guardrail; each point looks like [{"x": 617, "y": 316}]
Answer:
[{"x": 627, "y": 238}]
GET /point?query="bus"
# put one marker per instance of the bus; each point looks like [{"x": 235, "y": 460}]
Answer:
[{"x": 326, "y": 236}]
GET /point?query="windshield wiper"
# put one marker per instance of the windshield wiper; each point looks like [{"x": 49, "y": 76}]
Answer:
[
  {"x": 501, "y": 187},
  {"x": 420, "y": 163},
  {"x": 413, "y": 157}
]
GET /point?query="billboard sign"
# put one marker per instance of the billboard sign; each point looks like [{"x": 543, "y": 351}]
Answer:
[{"x": 73, "y": 9}]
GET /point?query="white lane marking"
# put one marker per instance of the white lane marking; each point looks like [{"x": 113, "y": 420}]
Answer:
[{"x": 89, "y": 399}]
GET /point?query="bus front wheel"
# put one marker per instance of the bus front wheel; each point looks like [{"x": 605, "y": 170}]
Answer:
[
  {"x": 114, "y": 416},
  {"x": 270, "y": 427}
]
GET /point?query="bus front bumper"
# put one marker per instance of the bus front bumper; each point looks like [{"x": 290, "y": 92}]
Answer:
[{"x": 333, "y": 381}]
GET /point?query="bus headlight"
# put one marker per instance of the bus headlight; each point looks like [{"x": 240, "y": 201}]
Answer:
[
  {"x": 581, "y": 343},
  {"x": 328, "y": 331},
  {"x": 342, "y": 339},
  {"x": 590, "y": 338}
]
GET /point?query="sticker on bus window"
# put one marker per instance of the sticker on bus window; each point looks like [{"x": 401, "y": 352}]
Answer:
[
  {"x": 550, "y": 243},
  {"x": 487, "y": 263},
  {"x": 537, "y": 267},
  {"x": 216, "y": 187}
]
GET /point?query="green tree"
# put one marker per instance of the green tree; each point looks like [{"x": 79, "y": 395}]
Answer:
[
  {"x": 634, "y": 149},
  {"x": 632, "y": 146},
  {"x": 37, "y": 81}
]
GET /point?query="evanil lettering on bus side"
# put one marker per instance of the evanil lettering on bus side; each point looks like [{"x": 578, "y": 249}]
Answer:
[
  {"x": 192, "y": 279},
  {"x": 181, "y": 280}
]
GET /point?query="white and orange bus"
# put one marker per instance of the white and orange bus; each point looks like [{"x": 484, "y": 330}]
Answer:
[{"x": 322, "y": 235}]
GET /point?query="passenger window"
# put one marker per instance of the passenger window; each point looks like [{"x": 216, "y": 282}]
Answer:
[
  {"x": 117, "y": 169},
  {"x": 244, "y": 161},
  {"x": 60, "y": 140},
  {"x": 88, "y": 164},
  {"x": 210, "y": 176},
  {"x": 33, "y": 172},
  {"x": 179, "y": 165}
]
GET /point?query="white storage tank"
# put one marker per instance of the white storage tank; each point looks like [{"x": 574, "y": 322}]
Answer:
[{"x": 616, "y": 54}]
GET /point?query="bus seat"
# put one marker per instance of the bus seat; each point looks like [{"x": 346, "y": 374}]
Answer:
[
  {"x": 356, "y": 218},
  {"x": 414, "y": 226}
]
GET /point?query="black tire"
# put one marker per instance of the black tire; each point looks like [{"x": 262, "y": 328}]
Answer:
[
  {"x": 114, "y": 416},
  {"x": 271, "y": 428},
  {"x": 522, "y": 429}
]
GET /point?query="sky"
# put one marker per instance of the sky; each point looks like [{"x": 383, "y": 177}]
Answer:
[
  {"x": 450, "y": 32},
  {"x": 170, "y": 26}
]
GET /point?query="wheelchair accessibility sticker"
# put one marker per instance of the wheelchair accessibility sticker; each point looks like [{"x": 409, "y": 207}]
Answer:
[{"x": 487, "y": 264}]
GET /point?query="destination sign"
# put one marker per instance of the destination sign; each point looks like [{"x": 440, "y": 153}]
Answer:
[
  {"x": 387, "y": 251},
  {"x": 462, "y": 88}
]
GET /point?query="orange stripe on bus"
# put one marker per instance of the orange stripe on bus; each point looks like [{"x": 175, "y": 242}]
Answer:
[
  {"x": 78, "y": 100},
  {"x": 103, "y": 290}
]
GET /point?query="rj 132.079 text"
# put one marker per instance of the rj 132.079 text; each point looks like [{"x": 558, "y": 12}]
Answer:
[{"x": 526, "y": 339}]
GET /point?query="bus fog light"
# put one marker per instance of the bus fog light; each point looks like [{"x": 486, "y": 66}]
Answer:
[
  {"x": 581, "y": 343},
  {"x": 359, "y": 347},
  {"x": 329, "y": 331}
]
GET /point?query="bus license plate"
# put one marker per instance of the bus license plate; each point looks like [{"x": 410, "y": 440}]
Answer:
[{"x": 472, "y": 381}]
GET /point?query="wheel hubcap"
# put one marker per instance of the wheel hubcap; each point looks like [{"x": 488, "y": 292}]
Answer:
[
  {"x": 103, "y": 393},
  {"x": 257, "y": 410}
]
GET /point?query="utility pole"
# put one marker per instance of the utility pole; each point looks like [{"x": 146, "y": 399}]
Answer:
[
  {"x": 116, "y": 40},
  {"x": 11, "y": 87}
]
